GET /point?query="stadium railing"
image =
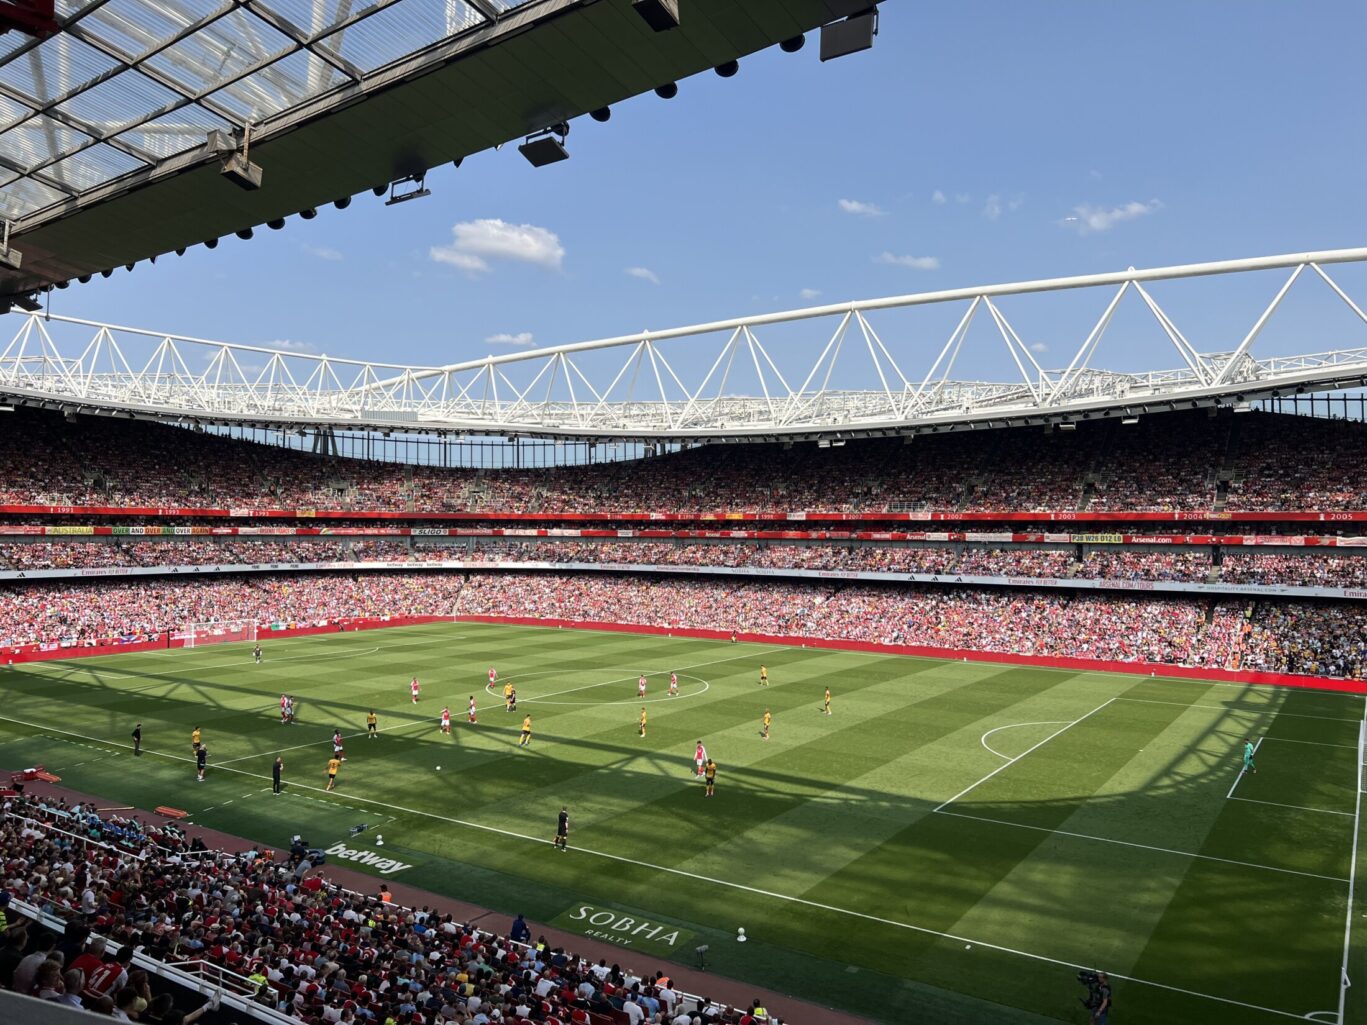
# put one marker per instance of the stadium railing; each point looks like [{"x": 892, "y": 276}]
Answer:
[{"x": 201, "y": 977}]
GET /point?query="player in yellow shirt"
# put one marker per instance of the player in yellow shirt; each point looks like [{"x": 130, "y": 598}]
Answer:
[
  {"x": 334, "y": 763},
  {"x": 764, "y": 676},
  {"x": 643, "y": 721},
  {"x": 194, "y": 739},
  {"x": 709, "y": 775},
  {"x": 526, "y": 739},
  {"x": 371, "y": 732},
  {"x": 826, "y": 704},
  {"x": 508, "y": 695},
  {"x": 764, "y": 732}
]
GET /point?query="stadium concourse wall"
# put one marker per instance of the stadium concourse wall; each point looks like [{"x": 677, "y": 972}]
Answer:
[
  {"x": 47, "y": 652},
  {"x": 1049, "y": 662}
]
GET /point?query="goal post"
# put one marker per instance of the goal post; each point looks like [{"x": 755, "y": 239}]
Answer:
[{"x": 226, "y": 631}]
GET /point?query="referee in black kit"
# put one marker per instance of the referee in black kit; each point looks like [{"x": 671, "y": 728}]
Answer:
[
  {"x": 137, "y": 739},
  {"x": 562, "y": 829}
]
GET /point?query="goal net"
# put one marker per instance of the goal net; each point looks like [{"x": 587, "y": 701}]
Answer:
[{"x": 194, "y": 635}]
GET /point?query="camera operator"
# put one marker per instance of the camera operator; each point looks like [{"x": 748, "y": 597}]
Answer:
[{"x": 1101, "y": 994}]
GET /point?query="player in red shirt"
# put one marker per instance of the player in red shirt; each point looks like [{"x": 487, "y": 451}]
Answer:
[
  {"x": 641, "y": 686},
  {"x": 415, "y": 688},
  {"x": 673, "y": 684},
  {"x": 493, "y": 676},
  {"x": 471, "y": 713},
  {"x": 700, "y": 757},
  {"x": 446, "y": 720}
]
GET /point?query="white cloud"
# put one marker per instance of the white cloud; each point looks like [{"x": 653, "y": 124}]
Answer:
[
  {"x": 992, "y": 209},
  {"x": 1039, "y": 347},
  {"x": 810, "y": 293},
  {"x": 938, "y": 198},
  {"x": 475, "y": 243},
  {"x": 521, "y": 340},
  {"x": 914, "y": 262},
  {"x": 645, "y": 274},
  {"x": 860, "y": 209},
  {"x": 323, "y": 252},
  {"x": 962, "y": 197},
  {"x": 1088, "y": 218}
]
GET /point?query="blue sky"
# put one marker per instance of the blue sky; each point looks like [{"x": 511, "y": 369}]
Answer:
[{"x": 953, "y": 153}]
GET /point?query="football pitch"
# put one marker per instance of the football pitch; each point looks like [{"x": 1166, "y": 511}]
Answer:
[{"x": 950, "y": 845}]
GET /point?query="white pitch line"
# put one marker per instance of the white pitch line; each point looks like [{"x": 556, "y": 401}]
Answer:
[
  {"x": 1293, "y": 807},
  {"x": 1144, "y": 846},
  {"x": 1242, "y": 769},
  {"x": 1230, "y": 708},
  {"x": 324, "y": 740},
  {"x": 102, "y": 671},
  {"x": 1018, "y": 757},
  {"x": 1011, "y": 726},
  {"x": 1313, "y": 743},
  {"x": 920, "y": 929},
  {"x": 1344, "y": 983}
]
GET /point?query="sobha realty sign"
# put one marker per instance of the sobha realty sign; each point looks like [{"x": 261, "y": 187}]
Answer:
[{"x": 622, "y": 928}]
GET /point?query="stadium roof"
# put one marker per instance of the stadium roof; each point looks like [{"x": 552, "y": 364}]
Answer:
[
  {"x": 682, "y": 383},
  {"x": 113, "y": 129}
]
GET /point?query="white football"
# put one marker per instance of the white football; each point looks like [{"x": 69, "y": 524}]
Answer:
[{"x": 439, "y": 768}]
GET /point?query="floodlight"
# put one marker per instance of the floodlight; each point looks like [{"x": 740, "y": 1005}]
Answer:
[
  {"x": 546, "y": 146},
  {"x": 243, "y": 233},
  {"x": 660, "y": 15},
  {"x": 601, "y": 114},
  {"x": 852, "y": 35},
  {"x": 667, "y": 91},
  {"x": 276, "y": 224},
  {"x": 416, "y": 192},
  {"x": 792, "y": 45},
  {"x": 241, "y": 172},
  {"x": 728, "y": 69}
]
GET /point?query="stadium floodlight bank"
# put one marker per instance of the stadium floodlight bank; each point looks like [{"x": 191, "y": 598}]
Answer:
[{"x": 689, "y": 383}]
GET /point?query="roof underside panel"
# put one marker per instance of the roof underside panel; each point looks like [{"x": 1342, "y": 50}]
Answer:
[{"x": 104, "y": 127}]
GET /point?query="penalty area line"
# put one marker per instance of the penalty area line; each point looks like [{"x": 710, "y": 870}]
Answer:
[
  {"x": 1242, "y": 769},
  {"x": 1013, "y": 761},
  {"x": 729, "y": 884},
  {"x": 1011, "y": 726}
]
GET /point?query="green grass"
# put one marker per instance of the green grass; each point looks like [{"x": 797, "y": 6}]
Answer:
[{"x": 1107, "y": 839}]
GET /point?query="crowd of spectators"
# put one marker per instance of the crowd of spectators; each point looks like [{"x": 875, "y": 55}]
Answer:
[
  {"x": 1300, "y": 637},
  {"x": 307, "y": 948},
  {"x": 1311, "y": 567},
  {"x": 1323, "y": 638},
  {"x": 1192, "y": 566},
  {"x": 1294, "y": 570},
  {"x": 1019, "y": 622},
  {"x": 86, "y": 613},
  {"x": 75, "y": 553},
  {"x": 1173, "y": 461}
]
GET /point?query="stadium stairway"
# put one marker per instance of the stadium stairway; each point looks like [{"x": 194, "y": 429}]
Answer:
[{"x": 686, "y": 980}]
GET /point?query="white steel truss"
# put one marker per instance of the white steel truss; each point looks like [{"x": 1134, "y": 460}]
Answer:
[{"x": 681, "y": 383}]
